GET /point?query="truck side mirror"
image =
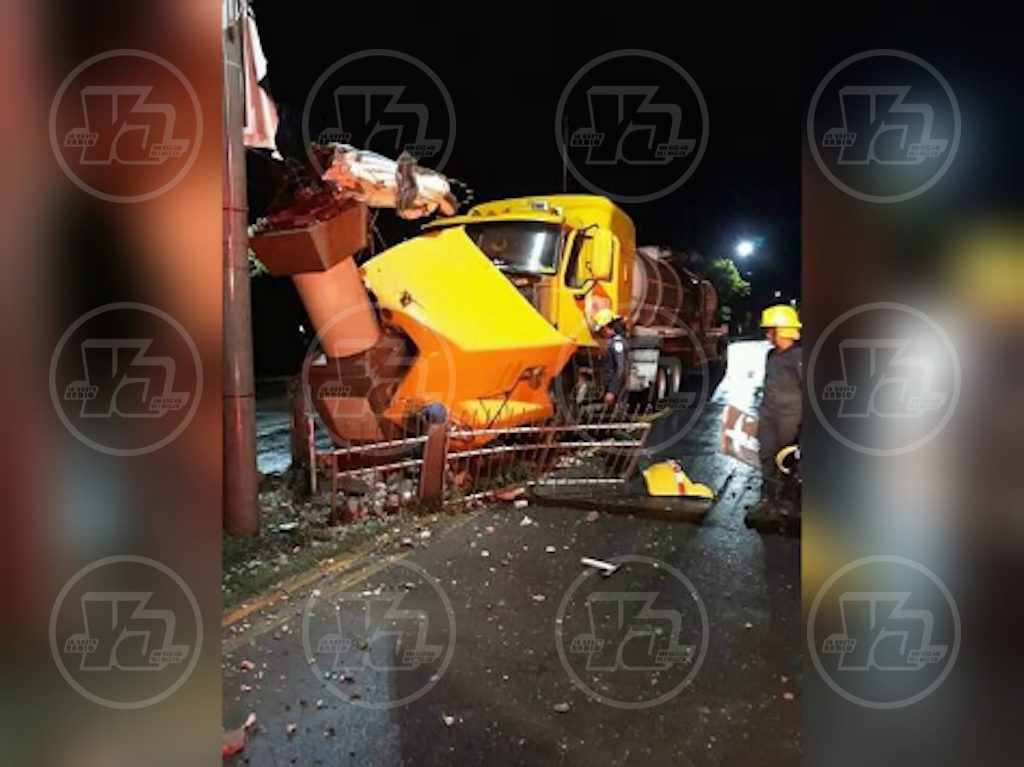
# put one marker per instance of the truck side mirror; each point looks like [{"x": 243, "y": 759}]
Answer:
[{"x": 601, "y": 255}]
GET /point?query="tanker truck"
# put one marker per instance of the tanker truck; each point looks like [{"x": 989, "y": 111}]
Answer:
[
  {"x": 572, "y": 255},
  {"x": 485, "y": 317}
]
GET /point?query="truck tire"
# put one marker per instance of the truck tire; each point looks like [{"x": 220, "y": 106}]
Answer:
[
  {"x": 660, "y": 387},
  {"x": 674, "y": 372}
]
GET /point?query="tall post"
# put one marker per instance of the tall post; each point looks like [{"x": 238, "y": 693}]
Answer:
[{"x": 241, "y": 505}]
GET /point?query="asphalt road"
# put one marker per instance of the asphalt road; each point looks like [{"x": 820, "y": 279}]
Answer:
[{"x": 489, "y": 643}]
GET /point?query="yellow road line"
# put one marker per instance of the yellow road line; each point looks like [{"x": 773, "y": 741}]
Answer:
[
  {"x": 295, "y": 583},
  {"x": 262, "y": 627}
]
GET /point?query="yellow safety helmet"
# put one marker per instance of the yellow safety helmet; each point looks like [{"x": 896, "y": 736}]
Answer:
[
  {"x": 604, "y": 317},
  {"x": 784, "y": 318},
  {"x": 667, "y": 478}
]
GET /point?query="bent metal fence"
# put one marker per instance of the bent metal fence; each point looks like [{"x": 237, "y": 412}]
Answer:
[
  {"x": 448, "y": 463},
  {"x": 600, "y": 448}
]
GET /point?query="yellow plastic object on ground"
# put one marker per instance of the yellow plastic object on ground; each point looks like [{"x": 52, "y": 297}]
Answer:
[
  {"x": 667, "y": 478},
  {"x": 485, "y": 353}
]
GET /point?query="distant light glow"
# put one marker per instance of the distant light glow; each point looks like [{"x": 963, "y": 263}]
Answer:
[{"x": 745, "y": 248}]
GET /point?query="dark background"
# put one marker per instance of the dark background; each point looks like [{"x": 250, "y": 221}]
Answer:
[{"x": 505, "y": 73}]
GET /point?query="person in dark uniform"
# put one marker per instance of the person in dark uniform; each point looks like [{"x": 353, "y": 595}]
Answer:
[
  {"x": 780, "y": 411},
  {"x": 611, "y": 328}
]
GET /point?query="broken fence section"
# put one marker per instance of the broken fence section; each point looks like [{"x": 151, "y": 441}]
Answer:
[{"x": 452, "y": 464}]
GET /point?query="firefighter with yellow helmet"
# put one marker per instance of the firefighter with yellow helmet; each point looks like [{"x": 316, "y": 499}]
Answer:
[
  {"x": 611, "y": 328},
  {"x": 781, "y": 404}
]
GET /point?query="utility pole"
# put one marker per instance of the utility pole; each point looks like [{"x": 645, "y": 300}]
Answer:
[{"x": 241, "y": 504}]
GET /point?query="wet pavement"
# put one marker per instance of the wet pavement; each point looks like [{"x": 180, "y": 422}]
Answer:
[{"x": 489, "y": 643}]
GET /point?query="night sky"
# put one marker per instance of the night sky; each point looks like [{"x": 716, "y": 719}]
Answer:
[{"x": 505, "y": 73}]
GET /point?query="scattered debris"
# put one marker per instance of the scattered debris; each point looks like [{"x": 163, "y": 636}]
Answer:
[
  {"x": 291, "y": 729},
  {"x": 353, "y": 485},
  {"x": 526, "y": 521},
  {"x": 522, "y": 503},
  {"x": 562, "y": 708},
  {"x": 748, "y": 625},
  {"x": 246, "y": 665},
  {"x": 233, "y": 741},
  {"x": 606, "y": 568},
  {"x": 788, "y": 696},
  {"x": 448, "y": 720},
  {"x": 510, "y": 493},
  {"x": 592, "y": 516},
  {"x": 287, "y": 527},
  {"x": 537, "y": 597},
  {"x": 550, "y": 549}
]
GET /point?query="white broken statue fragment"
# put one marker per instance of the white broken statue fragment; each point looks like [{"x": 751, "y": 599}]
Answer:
[{"x": 381, "y": 182}]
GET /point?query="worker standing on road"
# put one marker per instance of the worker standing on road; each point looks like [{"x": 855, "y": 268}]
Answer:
[
  {"x": 611, "y": 328},
  {"x": 780, "y": 412}
]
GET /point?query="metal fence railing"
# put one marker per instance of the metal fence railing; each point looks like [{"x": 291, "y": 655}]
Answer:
[{"x": 449, "y": 463}]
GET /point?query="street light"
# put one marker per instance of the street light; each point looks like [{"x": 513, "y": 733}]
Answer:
[{"x": 744, "y": 248}]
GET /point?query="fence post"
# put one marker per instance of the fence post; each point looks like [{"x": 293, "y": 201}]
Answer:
[
  {"x": 435, "y": 458},
  {"x": 303, "y": 464}
]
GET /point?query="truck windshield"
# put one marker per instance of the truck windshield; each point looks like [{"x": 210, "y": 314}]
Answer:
[{"x": 518, "y": 246}]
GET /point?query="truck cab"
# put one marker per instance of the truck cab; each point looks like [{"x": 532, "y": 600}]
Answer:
[{"x": 569, "y": 255}]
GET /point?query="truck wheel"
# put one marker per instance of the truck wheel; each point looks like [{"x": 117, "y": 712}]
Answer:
[
  {"x": 660, "y": 388},
  {"x": 674, "y": 372}
]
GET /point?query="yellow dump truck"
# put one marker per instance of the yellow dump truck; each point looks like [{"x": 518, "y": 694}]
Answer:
[{"x": 486, "y": 315}]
